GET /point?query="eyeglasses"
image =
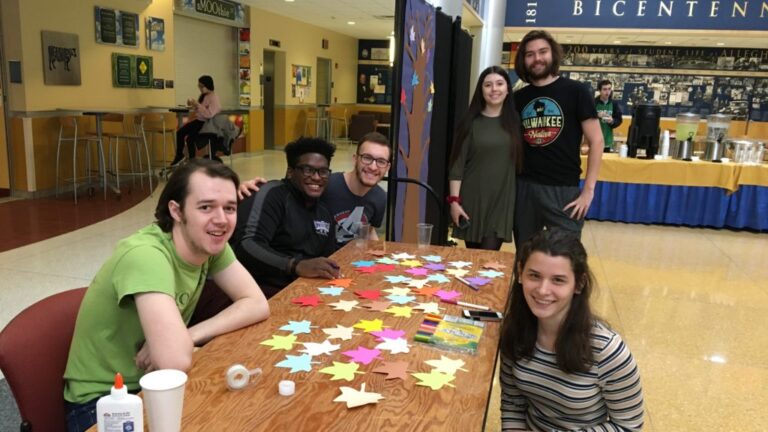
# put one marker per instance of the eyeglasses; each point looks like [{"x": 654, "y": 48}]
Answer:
[
  {"x": 368, "y": 159},
  {"x": 309, "y": 171}
]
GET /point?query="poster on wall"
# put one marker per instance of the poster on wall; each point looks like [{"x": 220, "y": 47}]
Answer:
[
  {"x": 301, "y": 75},
  {"x": 61, "y": 64},
  {"x": 116, "y": 27},
  {"x": 143, "y": 65},
  {"x": 155, "y": 34},
  {"x": 122, "y": 70}
]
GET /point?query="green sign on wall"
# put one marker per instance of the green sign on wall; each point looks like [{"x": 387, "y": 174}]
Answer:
[
  {"x": 216, "y": 8},
  {"x": 122, "y": 70},
  {"x": 143, "y": 71}
]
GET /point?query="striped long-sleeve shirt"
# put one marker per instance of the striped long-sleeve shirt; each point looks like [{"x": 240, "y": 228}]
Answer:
[{"x": 537, "y": 395}]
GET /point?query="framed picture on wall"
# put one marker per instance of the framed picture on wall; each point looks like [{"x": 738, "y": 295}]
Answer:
[
  {"x": 61, "y": 61},
  {"x": 301, "y": 75},
  {"x": 143, "y": 65},
  {"x": 116, "y": 27},
  {"x": 156, "y": 34},
  {"x": 122, "y": 70}
]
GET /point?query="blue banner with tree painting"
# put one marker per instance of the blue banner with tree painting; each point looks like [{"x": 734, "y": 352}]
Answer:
[
  {"x": 640, "y": 14},
  {"x": 417, "y": 89}
]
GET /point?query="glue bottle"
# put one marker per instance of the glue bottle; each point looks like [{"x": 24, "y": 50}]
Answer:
[{"x": 119, "y": 411}]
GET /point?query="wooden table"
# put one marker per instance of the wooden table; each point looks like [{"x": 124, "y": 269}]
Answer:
[{"x": 209, "y": 405}]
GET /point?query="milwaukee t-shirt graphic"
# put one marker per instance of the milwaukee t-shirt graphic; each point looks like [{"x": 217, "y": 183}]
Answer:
[{"x": 542, "y": 121}]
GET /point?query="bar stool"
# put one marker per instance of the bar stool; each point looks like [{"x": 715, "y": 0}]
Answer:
[
  {"x": 321, "y": 123},
  {"x": 136, "y": 140},
  {"x": 68, "y": 133},
  {"x": 342, "y": 121},
  {"x": 156, "y": 124}
]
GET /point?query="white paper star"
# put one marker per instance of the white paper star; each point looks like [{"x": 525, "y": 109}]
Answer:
[
  {"x": 339, "y": 332},
  {"x": 356, "y": 398},
  {"x": 447, "y": 365},
  {"x": 398, "y": 291},
  {"x": 460, "y": 264},
  {"x": 394, "y": 346},
  {"x": 457, "y": 272},
  {"x": 345, "y": 305},
  {"x": 418, "y": 283},
  {"x": 431, "y": 308},
  {"x": 403, "y": 256},
  {"x": 316, "y": 349}
]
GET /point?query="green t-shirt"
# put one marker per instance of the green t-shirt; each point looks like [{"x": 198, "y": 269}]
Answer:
[
  {"x": 108, "y": 332},
  {"x": 605, "y": 109}
]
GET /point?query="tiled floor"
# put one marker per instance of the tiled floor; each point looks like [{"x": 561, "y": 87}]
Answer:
[{"x": 691, "y": 304}]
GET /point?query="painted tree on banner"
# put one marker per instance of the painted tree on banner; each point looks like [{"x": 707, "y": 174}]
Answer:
[{"x": 416, "y": 108}]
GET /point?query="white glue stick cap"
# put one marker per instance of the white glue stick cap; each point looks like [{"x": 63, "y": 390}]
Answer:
[{"x": 287, "y": 388}]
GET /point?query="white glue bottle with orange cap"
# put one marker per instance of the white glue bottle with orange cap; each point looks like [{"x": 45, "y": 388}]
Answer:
[{"x": 119, "y": 411}]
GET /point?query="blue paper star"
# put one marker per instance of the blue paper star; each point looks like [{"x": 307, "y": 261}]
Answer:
[
  {"x": 297, "y": 327},
  {"x": 397, "y": 279},
  {"x": 387, "y": 260},
  {"x": 363, "y": 263},
  {"x": 415, "y": 79},
  {"x": 491, "y": 273},
  {"x": 401, "y": 299},
  {"x": 437, "y": 277},
  {"x": 300, "y": 363},
  {"x": 331, "y": 291},
  {"x": 433, "y": 258}
]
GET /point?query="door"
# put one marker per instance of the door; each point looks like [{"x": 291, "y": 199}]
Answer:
[
  {"x": 323, "y": 81},
  {"x": 268, "y": 90}
]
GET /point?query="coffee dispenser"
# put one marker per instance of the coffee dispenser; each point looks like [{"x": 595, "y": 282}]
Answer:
[
  {"x": 685, "y": 134},
  {"x": 717, "y": 129},
  {"x": 644, "y": 131}
]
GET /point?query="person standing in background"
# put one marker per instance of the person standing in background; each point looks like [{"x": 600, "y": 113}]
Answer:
[
  {"x": 205, "y": 107},
  {"x": 485, "y": 158},
  {"x": 556, "y": 112},
  {"x": 609, "y": 113}
]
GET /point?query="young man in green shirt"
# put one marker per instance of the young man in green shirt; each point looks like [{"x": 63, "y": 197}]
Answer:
[
  {"x": 134, "y": 316},
  {"x": 609, "y": 113}
]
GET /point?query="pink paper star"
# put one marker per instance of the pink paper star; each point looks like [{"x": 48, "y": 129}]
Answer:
[
  {"x": 312, "y": 300},
  {"x": 448, "y": 295},
  {"x": 388, "y": 333},
  {"x": 478, "y": 281},
  {"x": 363, "y": 355},
  {"x": 418, "y": 271}
]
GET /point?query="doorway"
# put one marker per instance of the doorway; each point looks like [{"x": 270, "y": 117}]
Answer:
[
  {"x": 268, "y": 92},
  {"x": 323, "y": 81}
]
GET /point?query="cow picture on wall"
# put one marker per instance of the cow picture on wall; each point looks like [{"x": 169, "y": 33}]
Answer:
[{"x": 61, "y": 58}]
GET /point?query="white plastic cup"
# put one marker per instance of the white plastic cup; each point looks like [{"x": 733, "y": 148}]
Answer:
[
  {"x": 164, "y": 399},
  {"x": 623, "y": 150},
  {"x": 362, "y": 231},
  {"x": 425, "y": 234}
]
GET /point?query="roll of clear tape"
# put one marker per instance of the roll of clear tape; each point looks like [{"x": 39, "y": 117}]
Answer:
[
  {"x": 286, "y": 388},
  {"x": 239, "y": 376}
]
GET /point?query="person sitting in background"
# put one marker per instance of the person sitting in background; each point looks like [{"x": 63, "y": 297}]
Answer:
[
  {"x": 205, "y": 107},
  {"x": 563, "y": 368},
  {"x": 608, "y": 112},
  {"x": 284, "y": 231},
  {"x": 134, "y": 316},
  {"x": 353, "y": 196}
]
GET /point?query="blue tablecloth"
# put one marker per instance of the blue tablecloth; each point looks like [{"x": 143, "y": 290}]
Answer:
[{"x": 681, "y": 205}]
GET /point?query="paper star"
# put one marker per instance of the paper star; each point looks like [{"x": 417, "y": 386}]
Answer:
[
  {"x": 384, "y": 267},
  {"x": 345, "y": 305},
  {"x": 339, "y": 370},
  {"x": 432, "y": 87},
  {"x": 411, "y": 263},
  {"x": 457, "y": 272},
  {"x": 331, "y": 291},
  {"x": 460, "y": 264},
  {"x": 400, "y": 311},
  {"x": 433, "y": 258},
  {"x": 317, "y": 349},
  {"x": 297, "y": 327},
  {"x": 377, "y": 305},
  {"x": 362, "y": 263},
  {"x": 394, "y": 346},
  {"x": 301, "y": 363},
  {"x": 429, "y": 104},
  {"x": 417, "y": 271},
  {"x": 426, "y": 291},
  {"x": 386, "y": 260},
  {"x": 448, "y": 295},
  {"x": 397, "y": 279},
  {"x": 398, "y": 291},
  {"x": 401, "y": 299},
  {"x": 369, "y": 325},
  {"x": 431, "y": 307},
  {"x": 403, "y": 98},
  {"x": 388, "y": 334},
  {"x": 339, "y": 332},
  {"x": 415, "y": 78},
  {"x": 403, "y": 256},
  {"x": 355, "y": 398},
  {"x": 435, "y": 266},
  {"x": 494, "y": 265},
  {"x": 376, "y": 252},
  {"x": 367, "y": 270},
  {"x": 341, "y": 282},
  {"x": 439, "y": 278},
  {"x": 311, "y": 300},
  {"x": 398, "y": 369},
  {"x": 363, "y": 355},
  {"x": 368, "y": 294},
  {"x": 412, "y": 35},
  {"x": 418, "y": 283},
  {"x": 434, "y": 380},
  {"x": 478, "y": 281},
  {"x": 491, "y": 273},
  {"x": 280, "y": 342},
  {"x": 447, "y": 365}
]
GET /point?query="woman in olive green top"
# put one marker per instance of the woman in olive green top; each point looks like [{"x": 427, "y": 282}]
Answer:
[{"x": 486, "y": 154}]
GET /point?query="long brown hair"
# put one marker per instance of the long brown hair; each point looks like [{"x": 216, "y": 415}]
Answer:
[
  {"x": 510, "y": 119},
  {"x": 573, "y": 349},
  {"x": 557, "y": 53}
]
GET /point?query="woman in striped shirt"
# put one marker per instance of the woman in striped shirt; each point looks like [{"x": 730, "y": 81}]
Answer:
[{"x": 562, "y": 368}]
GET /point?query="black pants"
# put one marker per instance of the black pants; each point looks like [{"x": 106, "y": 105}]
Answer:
[
  {"x": 188, "y": 132},
  {"x": 540, "y": 206}
]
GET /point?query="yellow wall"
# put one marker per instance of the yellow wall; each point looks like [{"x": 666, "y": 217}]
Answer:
[{"x": 96, "y": 90}]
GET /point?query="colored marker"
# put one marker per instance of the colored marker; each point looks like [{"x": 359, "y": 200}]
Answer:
[
  {"x": 466, "y": 282},
  {"x": 469, "y": 305}
]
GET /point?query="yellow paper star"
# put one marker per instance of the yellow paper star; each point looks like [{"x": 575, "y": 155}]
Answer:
[
  {"x": 447, "y": 365},
  {"x": 370, "y": 325},
  {"x": 434, "y": 380},
  {"x": 400, "y": 311},
  {"x": 398, "y": 291},
  {"x": 457, "y": 272},
  {"x": 280, "y": 342},
  {"x": 339, "y": 370},
  {"x": 411, "y": 263}
]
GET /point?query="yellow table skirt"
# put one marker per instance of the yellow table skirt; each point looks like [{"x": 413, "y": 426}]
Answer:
[{"x": 672, "y": 172}]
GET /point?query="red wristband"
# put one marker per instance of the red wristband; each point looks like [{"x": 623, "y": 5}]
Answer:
[{"x": 453, "y": 199}]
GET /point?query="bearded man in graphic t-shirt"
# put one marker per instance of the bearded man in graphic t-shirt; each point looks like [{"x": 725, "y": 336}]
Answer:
[{"x": 556, "y": 112}]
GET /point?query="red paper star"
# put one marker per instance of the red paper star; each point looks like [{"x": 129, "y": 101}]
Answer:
[
  {"x": 311, "y": 300},
  {"x": 384, "y": 267},
  {"x": 371, "y": 269},
  {"x": 368, "y": 294},
  {"x": 402, "y": 96}
]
